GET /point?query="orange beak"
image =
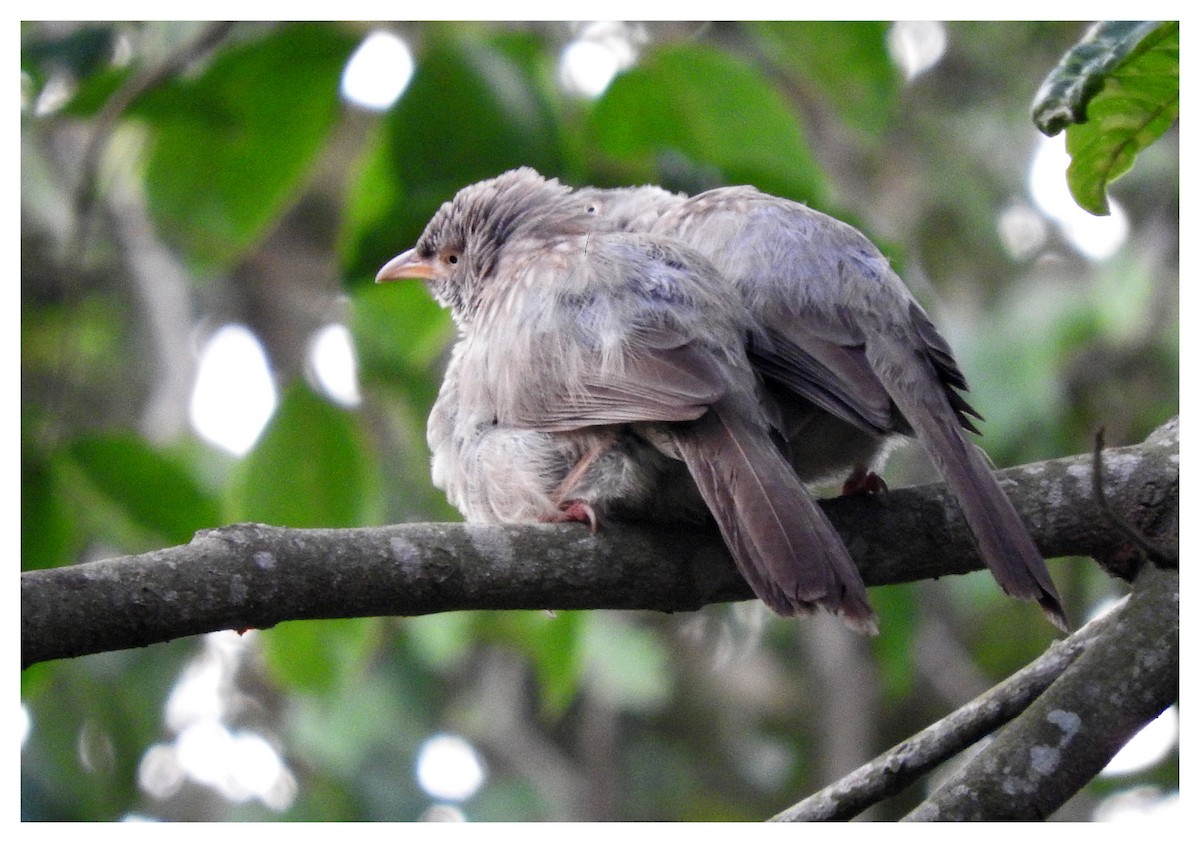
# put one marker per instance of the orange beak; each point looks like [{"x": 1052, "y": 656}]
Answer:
[{"x": 406, "y": 265}]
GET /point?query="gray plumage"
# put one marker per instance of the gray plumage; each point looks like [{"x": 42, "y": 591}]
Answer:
[
  {"x": 849, "y": 356},
  {"x": 603, "y": 374}
]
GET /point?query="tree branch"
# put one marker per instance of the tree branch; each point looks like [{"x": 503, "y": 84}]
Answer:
[
  {"x": 902, "y": 765},
  {"x": 1125, "y": 679},
  {"x": 252, "y": 575}
]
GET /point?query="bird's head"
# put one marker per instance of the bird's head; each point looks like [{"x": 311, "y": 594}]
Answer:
[{"x": 458, "y": 253}]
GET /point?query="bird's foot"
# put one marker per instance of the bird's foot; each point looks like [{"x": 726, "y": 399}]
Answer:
[
  {"x": 863, "y": 482},
  {"x": 574, "y": 511}
]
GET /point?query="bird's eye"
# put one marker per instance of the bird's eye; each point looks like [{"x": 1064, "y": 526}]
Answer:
[{"x": 451, "y": 258}]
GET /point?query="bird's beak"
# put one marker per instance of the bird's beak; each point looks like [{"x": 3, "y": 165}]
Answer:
[{"x": 406, "y": 265}]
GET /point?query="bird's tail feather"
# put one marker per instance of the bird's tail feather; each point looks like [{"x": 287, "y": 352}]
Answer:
[
  {"x": 1003, "y": 539},
  {"x": 782, "y": 542}
]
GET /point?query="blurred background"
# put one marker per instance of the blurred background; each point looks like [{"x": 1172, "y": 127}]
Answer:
[{"x": 203, "y": 209}]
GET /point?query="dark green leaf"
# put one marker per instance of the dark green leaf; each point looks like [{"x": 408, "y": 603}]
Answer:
[
  {"x": 81, "y": 52},
  {"x": 498, "y": 121},
  {"x": 847, "y": 61},
  {"x": 48, "y": 532},
  {"x": 1138, "y": 102},
  {"x": 714, "y": 110},
  {"x": 398, "y": 329},
  {"x": 557, "y": 652},
  {"x": 95, "y": 91},
  {"x": 899, "y": 613},
  {"x": 321, "y": 655},
  {"x": 311, "y": 468},
  {"x": 144, "y": 488},
  {"x": 231, "y": 147},
  {"x": 400, "y": 337},
  {"x": 1064, "y": 96}
]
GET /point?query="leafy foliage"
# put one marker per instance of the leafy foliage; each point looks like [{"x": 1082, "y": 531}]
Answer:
[
  {"x": 697, "y": 102},
  {"x": 844, "y": 61},
  {"x": 1116, "y": 93},
  {"x": 142, "y": 487},
  {"x": 218, "y": 171},
  {"x": 428, "y": 148},
  {"x": 308, "y": 470}
]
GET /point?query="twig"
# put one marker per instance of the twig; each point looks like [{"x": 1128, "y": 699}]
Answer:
[
  {"x": 1124, "y": 679},
  {"x": 904, "y": 763}
]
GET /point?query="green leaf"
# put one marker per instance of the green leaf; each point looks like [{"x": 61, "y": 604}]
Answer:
[
  {"x": 310, "y": 468},
  {"x": 81, "y": 52},
  {"x": 558, "y": 658},
  {"x": 1116, "y": 92},
  {"x": 49, "y": 535},
  {"x": 714, "y": 110},
  {"x": 471, "y": 112},
  {"x": 319, "y": 656},
  {"x": 897, "y": 606},
  {"x": 231, "y": 147},
  {"x": 499, "y": 119},
  {"x": 95, "y": 91},
  {"x": 847, "y": 60},
  {"x": 1066, "y": 92},
  {"x": 131, "y": 485},
  {"x": 1139, "y": 101},
  {"x": 400, "y": 337},
  {"x": 398, "y": 329}
]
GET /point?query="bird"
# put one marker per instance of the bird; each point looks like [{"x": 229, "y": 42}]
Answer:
[
  {"x": 851, "y": 359},
  {"x": 601, "y": 375}
]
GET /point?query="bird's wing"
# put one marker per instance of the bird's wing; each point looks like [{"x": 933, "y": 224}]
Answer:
[
  {"x": 805, "y": 354},
  {"x": 627, "y": 333},
  {"x": 652, "y": 385},
  {"x": 834, "y": 377},
  {"x": 781, "y": 258},
  {"x": 812, "y": 284}
]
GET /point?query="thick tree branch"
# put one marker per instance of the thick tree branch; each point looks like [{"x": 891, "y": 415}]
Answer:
[
  {"x": 256, "y": 576},
  {"x": 1094, "y": 704},
  {"x": 902, "y": 765},
  {"x": 1125, "y": 679}
]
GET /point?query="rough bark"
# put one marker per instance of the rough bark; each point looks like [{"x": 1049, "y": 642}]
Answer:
[
  {"x": 1130, "y": 674},
  {"x": 1124, "y": 679},
  {"x": 252, "y": 575}
]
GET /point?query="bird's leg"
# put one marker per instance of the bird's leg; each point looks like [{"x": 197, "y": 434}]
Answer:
[
  {"x": 575, "y": 509},
  {"x": 863, "y": 481}
]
